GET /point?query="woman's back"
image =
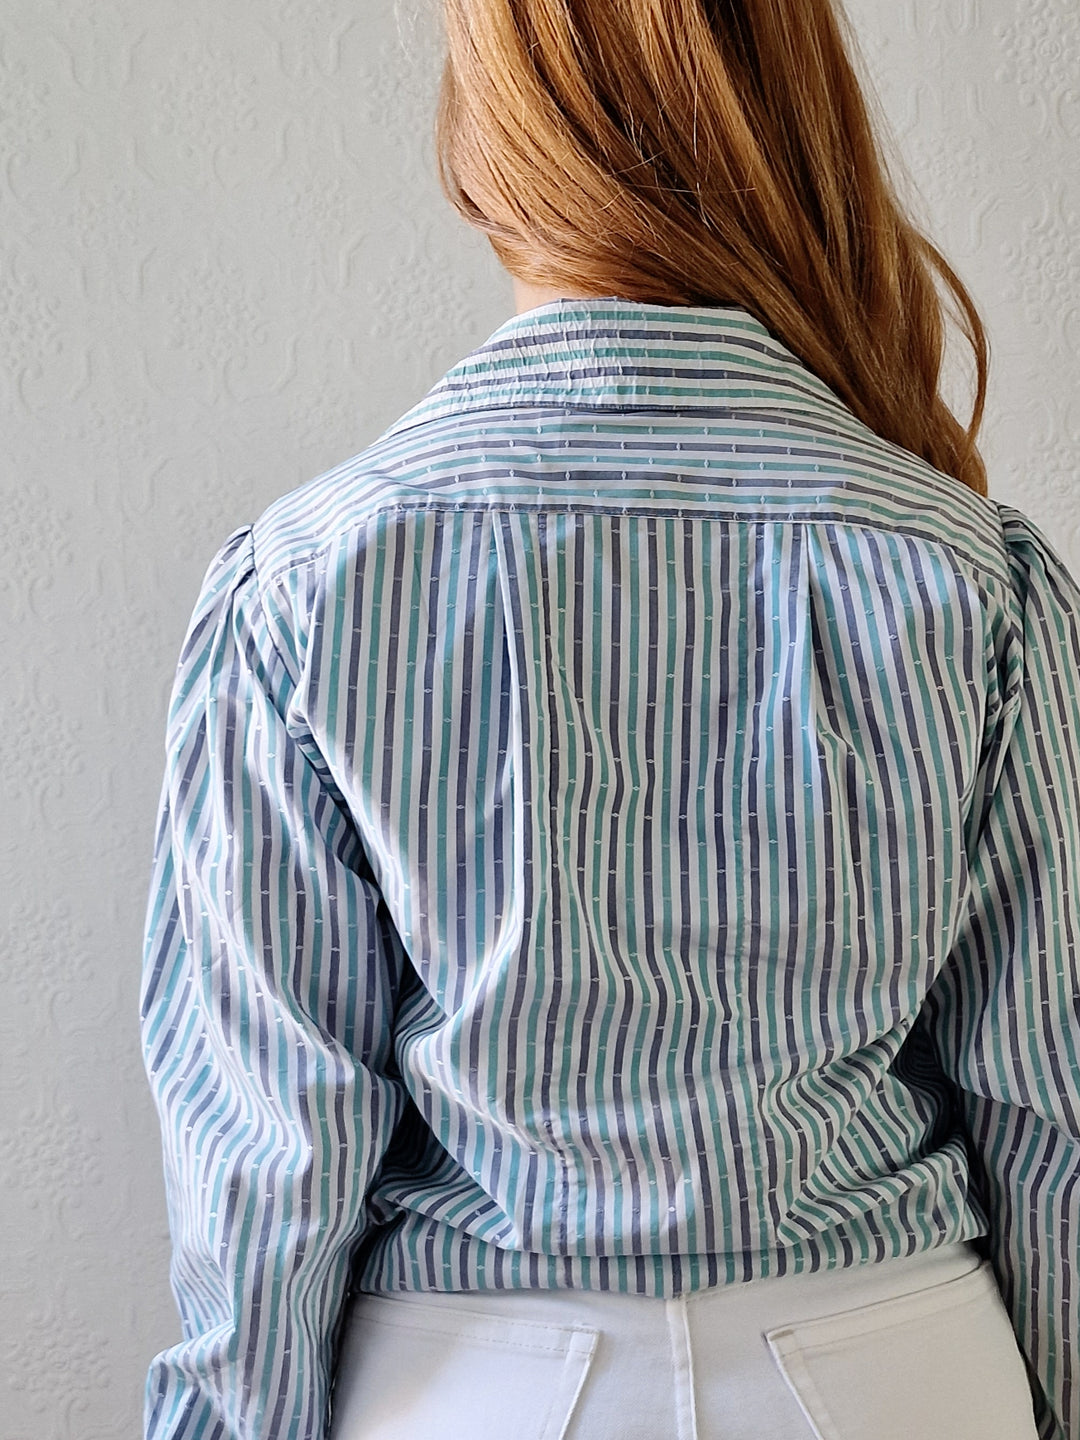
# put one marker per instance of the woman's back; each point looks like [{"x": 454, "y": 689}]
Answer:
[{"x": 615, "y": 758}]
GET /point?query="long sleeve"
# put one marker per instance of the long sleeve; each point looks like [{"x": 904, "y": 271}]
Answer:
[
  {"x": 267, "y": 1007},
  {"x": 1006, "y": 1011}
]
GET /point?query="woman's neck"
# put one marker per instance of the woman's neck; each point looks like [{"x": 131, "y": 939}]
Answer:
[{"x": 527, "y": 296}]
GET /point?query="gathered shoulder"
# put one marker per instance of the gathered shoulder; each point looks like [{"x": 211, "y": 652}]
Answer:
[{"x": 1032, "y": 558}]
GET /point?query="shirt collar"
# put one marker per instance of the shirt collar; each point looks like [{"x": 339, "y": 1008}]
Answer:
[{"x": 620, "y": 354}]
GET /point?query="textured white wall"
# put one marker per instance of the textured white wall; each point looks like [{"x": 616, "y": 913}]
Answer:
[
  {"x": 983, "y": 97},
  {"x": 224, "y": 267}
]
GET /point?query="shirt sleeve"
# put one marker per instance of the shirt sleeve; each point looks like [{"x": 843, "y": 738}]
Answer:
[
  {"x": 267, "y": 1006},
  {"x": 1006, "y": 1010}
]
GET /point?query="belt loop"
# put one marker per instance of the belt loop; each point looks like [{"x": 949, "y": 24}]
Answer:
[{"x": 682, "y": 1361}]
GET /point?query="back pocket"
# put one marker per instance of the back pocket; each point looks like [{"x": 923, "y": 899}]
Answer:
[
  {"x": 422, "y": 1370},
  {"x": 942, "y": 1361}
]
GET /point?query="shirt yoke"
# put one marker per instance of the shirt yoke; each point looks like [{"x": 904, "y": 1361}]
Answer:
[{"x": 736, "y": 465}]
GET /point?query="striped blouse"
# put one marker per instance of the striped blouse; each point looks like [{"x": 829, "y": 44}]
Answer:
[{"x": 620, "y": 831}]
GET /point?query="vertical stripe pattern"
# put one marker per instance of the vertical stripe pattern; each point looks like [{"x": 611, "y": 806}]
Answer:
[{"x": 620, "y": 831}]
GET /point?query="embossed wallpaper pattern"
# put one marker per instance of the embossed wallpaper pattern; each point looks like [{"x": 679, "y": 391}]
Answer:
[{"x": 224, "y": 267}]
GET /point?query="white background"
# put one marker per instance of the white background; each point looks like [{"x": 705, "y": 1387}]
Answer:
[{"x": 224, "y": 268}]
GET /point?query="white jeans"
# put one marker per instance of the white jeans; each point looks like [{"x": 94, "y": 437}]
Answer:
[{"x": 913, "y": 1349}]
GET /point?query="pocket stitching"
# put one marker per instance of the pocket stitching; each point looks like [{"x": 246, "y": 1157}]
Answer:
[
  {"x": 569, "y": 1347},
  {"x": 493, "y": 1340},
  {"x": 541, "y": 1336},
  {"x": 862, "y": 1318},
  {"x": 583, "y": 1355},
  {"x": 795, "y": 1357},
  {"x": 373, "y": 1304},
  {"x": 805, "y": 1392}
]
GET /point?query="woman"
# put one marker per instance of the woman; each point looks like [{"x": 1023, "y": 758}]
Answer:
[{"x": 615, "y": 910}]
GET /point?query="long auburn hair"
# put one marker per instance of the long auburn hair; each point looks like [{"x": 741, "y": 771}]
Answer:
[{"x": 709, "y": 152}]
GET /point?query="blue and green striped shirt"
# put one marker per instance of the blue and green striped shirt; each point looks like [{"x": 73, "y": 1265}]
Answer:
[{"x": 621, "y": 831}]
